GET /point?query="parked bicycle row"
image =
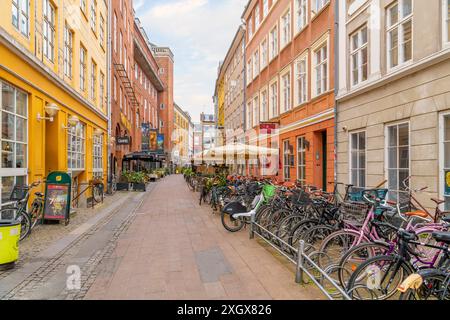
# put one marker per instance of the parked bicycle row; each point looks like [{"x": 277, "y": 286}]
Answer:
[{"x": 374, "y": 243}]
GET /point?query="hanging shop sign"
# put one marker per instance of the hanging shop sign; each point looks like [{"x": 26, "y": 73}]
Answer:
[
  {"x": 57, "y": 197},
  {"x": 123, "y": 141},
  {"x": 153, "y": 140},
  {"x": 160, "y": 142}
]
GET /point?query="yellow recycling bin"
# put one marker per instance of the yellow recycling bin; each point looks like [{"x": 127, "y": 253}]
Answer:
[{"x": 9, "y": 243}]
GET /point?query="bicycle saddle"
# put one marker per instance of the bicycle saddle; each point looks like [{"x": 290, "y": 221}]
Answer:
[
  {"x": 39, "y": 194},
  {"x": 438, "y": 201},
  {"x": 417, "y": 213},
  {"x": 442, "y": 237}
]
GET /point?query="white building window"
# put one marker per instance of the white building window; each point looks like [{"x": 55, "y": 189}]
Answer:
[
  {"x": 115, "y": 32},
  {"x": 249, "y": 115},
  {"x": 321, "y": 70},
  {"x": 399, "y": 32},
  {"x": 319, "y": 5},
  {"x": 76, "y": 148},
  {"x": 286, "y": 28},
  {"x": 98, "y": 156},
  {"x": 273, "y": 100},
  {"x": 250, "y": 27},
  {"x": 68, "y": 51},
  {"x": 287, "y": 157},
  {"x": 301, "y": 14},
  {"x": 49, "y": 30},
  {"x": 273, "y": 42},
  {"x": 265, "y": 8},
  {"x": 286, "y": 92},
  {"x": 256, "y": 64},
  {"x": 301, "y": 80},
  {"x": 255, "y": 111},
  {"x": 301, "y": 160},
  {"x": 83, "y": 5},
  {"x": 358, "y": 159},
  {"x": 249, "y": 71},
  {"x": 93, "y": 90},
  {"x": 21, "y": 16},
  {"x": 102, "y": 89},
  {"x": 397, "y": 157},
  {"x": 257, "y": 17},
  {"x": 14, "y": 138},
  {"x": 264, "y": 55},
  {"x": 83, "y": 57},
  {"x": 102, "y": 31},
  {"x": 93, "y": 15},
  {"x": 359, "y": 56},
  {"x": 264, "y": 110}
]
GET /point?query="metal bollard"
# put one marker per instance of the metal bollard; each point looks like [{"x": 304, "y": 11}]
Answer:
[
  {"x": 252, "y": 227},
  {"x": 299, "y": 273}
]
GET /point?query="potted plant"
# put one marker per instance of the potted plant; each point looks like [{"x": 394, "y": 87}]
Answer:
[
  {"x": 138, "y": 181},
  {"x": 124, "y": 182}
]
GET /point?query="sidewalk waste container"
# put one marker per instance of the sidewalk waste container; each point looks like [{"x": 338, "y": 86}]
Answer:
[{"x": 9, "y": 243}]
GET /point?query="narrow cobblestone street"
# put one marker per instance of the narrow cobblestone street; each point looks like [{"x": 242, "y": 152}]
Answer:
[{"x": 155, "y": 245}]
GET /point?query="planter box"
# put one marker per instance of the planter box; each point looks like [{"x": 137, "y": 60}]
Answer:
[
  {"x": 140, "y": 187},
  {"x": 123, "y": 186},
  {"x": 153, "y": 177}
]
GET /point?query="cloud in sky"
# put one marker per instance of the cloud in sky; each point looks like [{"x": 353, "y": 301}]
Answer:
[{"x": 199, "y": 32}]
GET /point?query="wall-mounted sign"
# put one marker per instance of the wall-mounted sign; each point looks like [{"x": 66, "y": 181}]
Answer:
[
  {"x": 57, "y": 197},
  {"x": 145, "y": 136},
  {"x": 153, "y": 138},
  {"x": 123, "y": 141},
  {"x": 160, "y": 142}
]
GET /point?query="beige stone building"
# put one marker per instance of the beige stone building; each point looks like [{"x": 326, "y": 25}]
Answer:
[{"x": 393, "y": 101}]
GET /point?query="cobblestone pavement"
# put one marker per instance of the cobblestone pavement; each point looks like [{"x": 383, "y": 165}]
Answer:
[
  {"x": 46, "y": 254},
  {"x": 175, "y": 249}
]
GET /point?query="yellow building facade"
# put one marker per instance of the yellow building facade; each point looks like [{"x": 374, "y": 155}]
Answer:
[
  {"x": 181, "y": 136},
  {"x": 53, "y": 78}
]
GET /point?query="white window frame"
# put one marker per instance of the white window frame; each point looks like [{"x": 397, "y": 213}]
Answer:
[
  {"x": 319, "y": 5},
  {"x": 93, "y": 88},
  {"x": 265, "y": 8},
  {"x": 286, "y": 166},
  {"x": 286, "y": 91},
  {"x": 387, "y": 126},
  {"x": 358, "y": 167},
  {"x": 250, "y": 27},
  {"x": 23, "y": 16},
  {"x": 323, "y": 42},
  {"x": 273, "y": 99},
  {"x": 301, "y": 15},
  {"x": 97, "y": 155},
  {"x": 264, "y": 105},
  {"x": 358, "y": 53},
  {"x": 93, "y": 20},
  {"x": 257, "y": 17},
  {"x": 76, "y": 148},
  {"x": 442, "y": 167},
  {"x": 255, "y": 111},
  {"x": 274, "y": 43},
  {"x": 301, "y": 80},
  {"x": 286, "y": 28},
  {"x": 301, "y": 155},
  {"x": 115, "y": 32},
  {"x": 249, "y": 114},
  {"x": 68, "y": 51},
  {"x": 83, "y": 68},
  {"x": 49, "y": 25},
  {"x": 256, "y": 65},
  {"x": 249, "y": 71},
  {"x": 446, "y": 23},
  {"x": 264, "y": 61},
  {"x": 399, "y": 25}
]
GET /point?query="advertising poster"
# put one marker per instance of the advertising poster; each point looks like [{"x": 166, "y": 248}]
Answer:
[
  {"x": 145, "y": 136},
  {"x": 160, "y": 142},
  {"x": 56, "y": 202},
  {"x": 153, "y": 140}
]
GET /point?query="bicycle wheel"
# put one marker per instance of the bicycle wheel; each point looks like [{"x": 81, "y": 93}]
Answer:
[
  {"x": 297, "y": 231},
  {"x": 314, "y": 238},
  {"x": 97, "y": 193},
  {"x": 434, "y": 287},
  {"x": 231, "y": 224},
  {"x": 357, "y": 255},
  {"x": 378, "y": 278}
]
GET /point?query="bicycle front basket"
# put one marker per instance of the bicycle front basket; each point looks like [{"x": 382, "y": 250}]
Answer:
[
  {"x": 354, "y": 211},
  {"x": 269, "y": 191},
  {"x": 19, "y": 193}
]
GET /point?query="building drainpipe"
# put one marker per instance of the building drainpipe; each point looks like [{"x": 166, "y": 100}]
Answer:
[
  {"x": 108, "y": 103},
  {"x": 244, "y": 27},
  {"x": 336, "y": 84}
]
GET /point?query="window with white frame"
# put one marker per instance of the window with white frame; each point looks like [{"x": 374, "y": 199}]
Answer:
[
  {"x": 264, "y": 56},
  {"x": 98, "y": 156},
  {"x": 255, "y": 111},
  {"x": 265, "y": 8},
  {"x": 102, "y": 31},
  {"x": 287, "y": 156},
  {"x": 121, "y": 99},
  {"x": 358, "y": 159},
  {"x": 83, "y": 5},
  {"x": 83, "y": 57},
  {"x": 256, "y": 64},
  {"x": 264, "y": 110},
  {"x": 321, "y": 70},
  {"x": 399, "y": 32},
  {"x": 93, "y": 81},
  {"x": 286, "y": 92},
  {"x": 273, "y": 43},
  {"x": 250, "y": 27},
  {"x": 49, "y": 30},
  {"x": 301, "y": 160},
  {"x": 273, "y": 100},
  {"x": 301, "y": 14},
  {"x": 301, "y": 80},
  {"x": 286, "y": 28},
  {"x": 21, "y": 16},
  {"x": 249, "y": 71},
  {"x": 447, "y": 19},
  {"x": 397, "y": 157},
  {"x": 249, "y": 115},
  {"x": 445, "y": 147},
  {"x": 115, "y": 88},
  {"x": 359, "y": 56},
  {"x": 102, "y": 89},
  {"x": 14, "y": 138},
  {"x": 68, "y": 51},
  {"x": 115, "y": 31},
  {"x": 93, "y": 15},
  {"x": 257, "y": 17},
  {"x": 120, "y": 47},
  {"x": 319, "y": 5},
  {"x": 76, "y": 148}
]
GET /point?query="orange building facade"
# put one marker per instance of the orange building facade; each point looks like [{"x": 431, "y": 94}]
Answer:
[{"x": 290, "y": 86}]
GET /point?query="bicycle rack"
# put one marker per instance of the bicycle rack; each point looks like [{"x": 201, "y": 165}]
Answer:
[{"x": 299, "y": 259}]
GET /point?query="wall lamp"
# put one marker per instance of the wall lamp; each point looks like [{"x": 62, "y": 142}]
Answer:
[
  {"x": 98, "y": 132},
  {"x": 51, "y": 110},
  {"x": 73, "y": 121}
]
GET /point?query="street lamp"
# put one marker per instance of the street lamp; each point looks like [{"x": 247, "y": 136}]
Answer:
[{"x": 51, "y": 109}]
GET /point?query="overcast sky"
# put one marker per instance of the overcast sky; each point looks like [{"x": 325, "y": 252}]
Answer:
[{"x": 199, "y": 33}]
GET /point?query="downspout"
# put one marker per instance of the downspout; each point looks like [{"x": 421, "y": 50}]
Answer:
[
  {"x": 108, "y": 102},
  {"x": 336, "y": 84}
]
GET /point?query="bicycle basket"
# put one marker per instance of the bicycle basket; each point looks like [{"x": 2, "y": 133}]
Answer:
[
  {"x": 354, "y": 211},
  {"x": 18, "y": 193},
  {"x": 300, "y": 198},
  {"x": 269, "y": 191},
  {"x": 356, "y": 194}
]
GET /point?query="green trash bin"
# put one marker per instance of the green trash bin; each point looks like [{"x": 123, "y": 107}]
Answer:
[{"x": 9, "y": 243}]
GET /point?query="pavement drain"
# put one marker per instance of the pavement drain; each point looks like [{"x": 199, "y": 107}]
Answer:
[{"x": 212, "y": 264}]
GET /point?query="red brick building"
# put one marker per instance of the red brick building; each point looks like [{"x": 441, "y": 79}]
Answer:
[{"x": 290, "y": 83}]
